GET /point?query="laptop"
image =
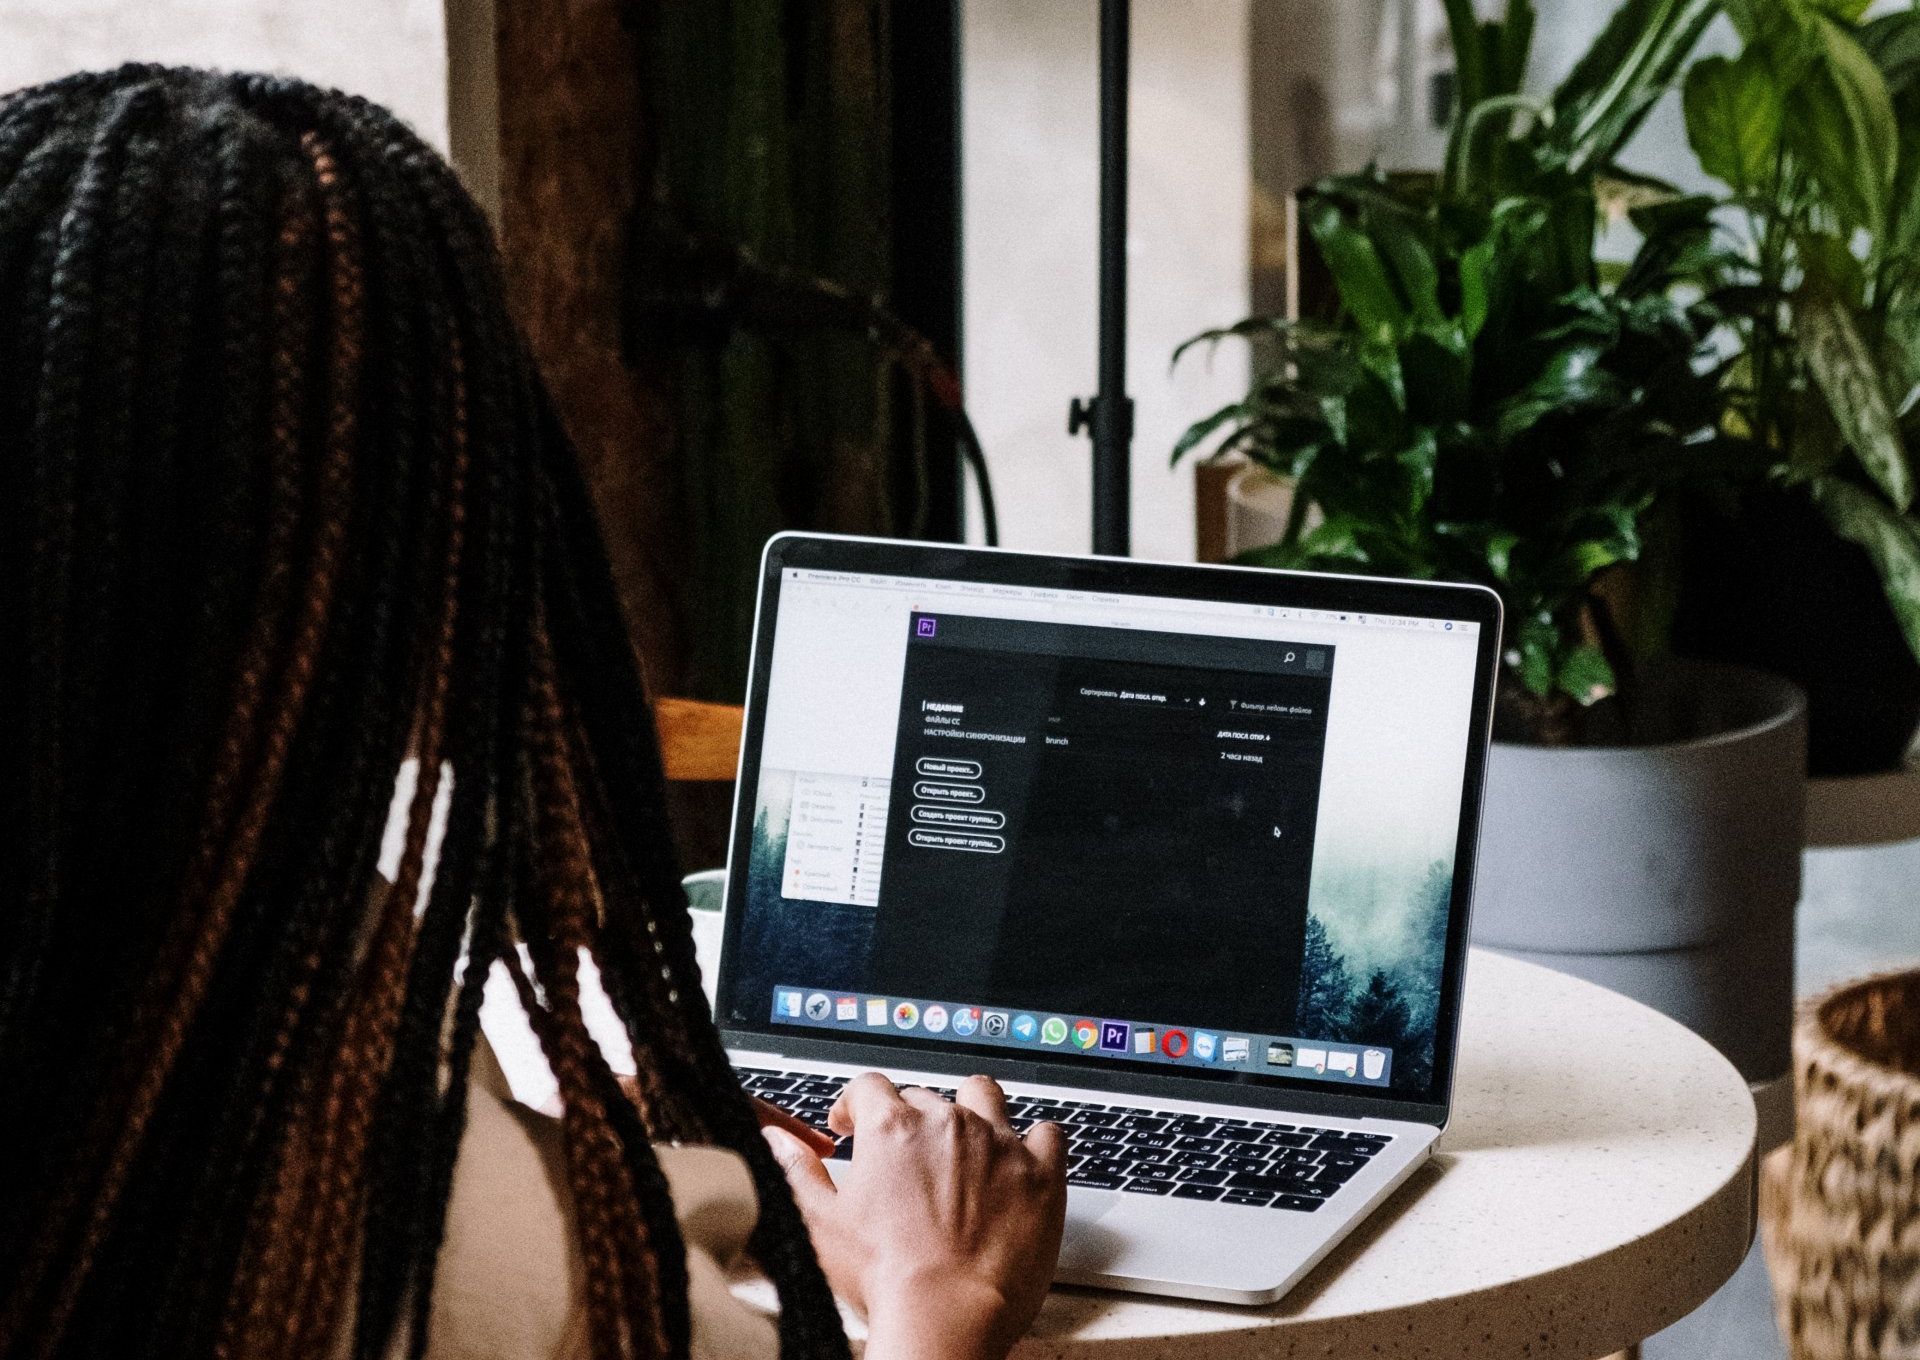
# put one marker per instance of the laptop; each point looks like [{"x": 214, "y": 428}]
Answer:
[{"x": 1180, "y": 855}]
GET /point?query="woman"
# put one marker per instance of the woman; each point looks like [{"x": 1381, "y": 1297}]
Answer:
[{"x": 284, "y": 506}]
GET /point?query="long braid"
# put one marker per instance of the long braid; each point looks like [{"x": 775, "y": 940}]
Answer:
[{"x": 291, "y": 505}]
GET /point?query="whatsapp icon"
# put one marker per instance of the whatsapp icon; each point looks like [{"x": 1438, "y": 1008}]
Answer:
[{"x": 1054, "y": 1031}]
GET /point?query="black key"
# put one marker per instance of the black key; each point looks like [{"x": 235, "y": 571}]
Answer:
[
  {"x": 1342, "y": 1142},
  {"x": 1139, "y": 1138},
  {"x": 1189, "y": 1127},
  {"x": 1128, "y": 1110},
  {"x": 1192, "y": 1159},
  {"x": 1247, "y": 1197},
  {"x": 813, "y": 1104},
  {"x": 819, "y": 1087},
  {"x": 1143, "y": 1156},
  {"x": 1282, "y": 1138},
  {"x": 1196, "y": 1175},
  {"x": 755, "y": 1072},
  {"x": 1196, "y": 1192},
  {"x": 1231, "y": 1163},
  {"x": 1294, "y": 1157},
  {"x": 843, "y": 1150},
  {"x": 1254, "y": 1180},
  {"x": 1298, "y": 1202},
  {"x": 1094, "y": 1118},
  {"x": 1054, "y": 1114},
  {"x": 1340, "y": 1166},
  {"x": 1140, "y": 1187},
  {"x": 1240, "y": 1147},
  {"x": 1245, "y": 1133},
  {"x": 1313, "y": 1189},
  {"x": 1198, "y": 1145},
  {"x": 1019, "y": 1123},
  {"x": 1072, "y": 1162},
  {"x": 1095, "y": 1181},
  {"x": 1099, "y": 1135},
  {"x": 1081, "y": 1105},
  {"x": 762, "y": 1085},
  {"x": 1155, "y": 1171},
  {"x": 1142, "y": 1123},
  {"x": 1104, "y": 1166}
]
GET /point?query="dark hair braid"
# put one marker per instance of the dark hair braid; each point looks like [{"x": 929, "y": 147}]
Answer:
[{"x": 293, "y": 508}]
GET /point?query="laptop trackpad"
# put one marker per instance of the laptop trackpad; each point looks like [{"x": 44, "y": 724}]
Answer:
[{"x": 1088, "y": 1245}]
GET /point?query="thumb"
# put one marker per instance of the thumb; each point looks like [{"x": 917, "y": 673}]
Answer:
[{"x": 812, "y": 1187}]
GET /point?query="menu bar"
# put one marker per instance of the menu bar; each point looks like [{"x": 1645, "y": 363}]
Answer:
[{"x": 1133, "y": 603}]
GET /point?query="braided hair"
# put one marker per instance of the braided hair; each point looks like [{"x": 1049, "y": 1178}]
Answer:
[{"x": 284, "y": 506}]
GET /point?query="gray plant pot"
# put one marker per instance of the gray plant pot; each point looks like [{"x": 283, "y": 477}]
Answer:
[{"x": 1669, "y": 871}]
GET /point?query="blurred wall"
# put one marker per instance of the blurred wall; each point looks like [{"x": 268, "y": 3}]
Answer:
[
  {"x": 392, "y": 51},
  {"x": 1030, "y": 182}
]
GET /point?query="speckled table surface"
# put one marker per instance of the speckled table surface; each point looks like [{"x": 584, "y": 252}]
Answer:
[{"x": 1596, "y": 1184}]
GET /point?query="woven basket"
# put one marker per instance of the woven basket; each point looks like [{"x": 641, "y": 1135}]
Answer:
[{"x": 1840, "y": 1209}]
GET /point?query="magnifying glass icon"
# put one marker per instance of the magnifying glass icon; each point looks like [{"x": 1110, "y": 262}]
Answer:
[{"x": 1288, "y": 660}]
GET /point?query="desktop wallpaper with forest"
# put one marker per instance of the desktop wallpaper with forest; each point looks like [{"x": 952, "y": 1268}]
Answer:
[{"x": 1371, "y": 974}]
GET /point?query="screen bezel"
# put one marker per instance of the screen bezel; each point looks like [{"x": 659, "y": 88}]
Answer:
[{"x": 1228, "y": 584}]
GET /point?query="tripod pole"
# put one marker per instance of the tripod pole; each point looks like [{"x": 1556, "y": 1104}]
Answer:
[{"x": 1109, "y": 416}]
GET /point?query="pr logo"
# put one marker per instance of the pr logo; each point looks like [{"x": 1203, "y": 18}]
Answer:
[
  {"x": 927, "y": 627},
  {"x": 1114, "y": 1036}
]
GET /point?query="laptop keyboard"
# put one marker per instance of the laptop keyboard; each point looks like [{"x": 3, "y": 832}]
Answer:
[{"x": 1142, "y": 1151}]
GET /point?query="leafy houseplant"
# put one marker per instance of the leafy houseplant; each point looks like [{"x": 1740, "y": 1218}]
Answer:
[
  {"x": 1815, "y": 128},
  {"x": 1485, "y": 406},
  {"x": 1489, "y": 402}
]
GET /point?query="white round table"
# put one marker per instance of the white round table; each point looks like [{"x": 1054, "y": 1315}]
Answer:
[{"x": 1596, "y": 1185}]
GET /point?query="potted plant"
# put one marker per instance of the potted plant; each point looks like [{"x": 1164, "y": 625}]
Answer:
[
  {"x": 1813, "y": 569},
  {"x": 1489, "y": 403}
]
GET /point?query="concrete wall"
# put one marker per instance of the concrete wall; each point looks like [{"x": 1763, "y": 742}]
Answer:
[
  {"x": 1030, "y": 188},
  {"x": 393, "y": 51}
]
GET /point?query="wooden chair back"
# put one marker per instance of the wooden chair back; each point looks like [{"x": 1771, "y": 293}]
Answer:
[{"x": 698, "y": 741}]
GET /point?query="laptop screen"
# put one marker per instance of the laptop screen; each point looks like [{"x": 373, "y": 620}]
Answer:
[{"x": 1201, "y": 836}]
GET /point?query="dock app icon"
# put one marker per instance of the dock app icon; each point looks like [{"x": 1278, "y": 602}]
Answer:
[{"x": 1113, "y": 1036}]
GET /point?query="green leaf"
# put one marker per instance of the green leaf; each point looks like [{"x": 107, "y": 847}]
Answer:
[
  {"x": 1733, "y": 112},
  {"x": 1487, "y": 266},
  {"x": 1840, "y": 123},
  {"x": 1903, "y": 226},
  {"x": 1893, "y": 41},
  {"x": 1499, "y": 552},
  {"x": 1832, "y": 265},
  {"x": 1890, "y": 540},
  {"x": 1358, "y": 272},
  {"x": 1844, "y": 368},
  {"x": 1201, "y": 430},
  {"x": 1573, "y": 378},
  {"x": 1844, "y": 11},
  {"x": 1602, "y": 102},
  {"x": 1516, "y": 43},
  {"x": 1586, "y": 676},
  {"x": 1536, "y": 643},
  {"x": 1469, "y": 58}
]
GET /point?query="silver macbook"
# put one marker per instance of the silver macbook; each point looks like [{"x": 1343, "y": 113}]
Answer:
[{"x": 1181, "y": 855}]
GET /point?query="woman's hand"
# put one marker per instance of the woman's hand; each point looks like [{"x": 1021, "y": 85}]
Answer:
[{"x": 945, "y": 1227}]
